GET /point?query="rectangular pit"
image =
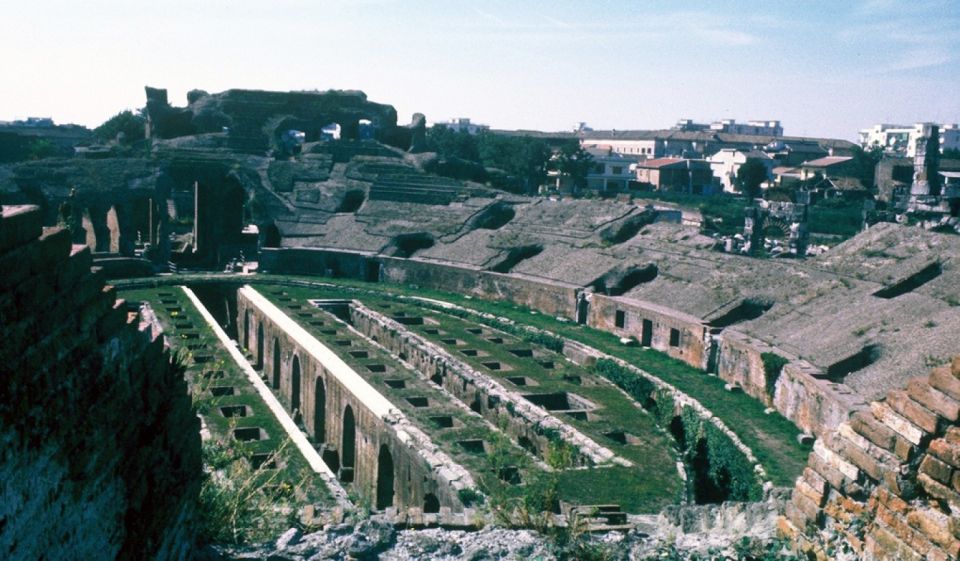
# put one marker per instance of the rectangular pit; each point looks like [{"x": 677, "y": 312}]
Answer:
[
  {"x": 522, "y": 353},
  {"x": 522, "y": 381},
  {"x": 213, "y": 374},
  {"x": 473, "y": 446},
  {"x": 495, "y": 340},
  {"x": 263, "y": 461},
  {"x": 396, "y": 383},
  {"x": 220, "y": 391},
  {"x": 359, "y": 354},
  {"x": 559, "y": 401},
  {"x": 408, "y": 320},
  {"x": 451, "y": 341},
  {"x": 376, "y": 368},
  {"x": 445, "y": 422},
  {"x": 475, "y": 330},
  {"x": 234, "y": 411},
  {"x": 418, "y": 401},
  {"x": 249, "y": 434}
]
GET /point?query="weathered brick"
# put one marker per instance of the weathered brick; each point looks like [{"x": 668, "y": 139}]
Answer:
[
  {"x": 940, "y": 403},
  {"x": 945, "y": 380},
  {"x": 936, "y": 469},
  {"x": 890, "y": 500},
  {"x": 899, "y": 401},
  {"x": 935, "y": 525},
  {"x": 885, "y": 545},
  {"x": 828, "y": 472},
  {"x": 939, "y": 490},
  {"x": 952, "y": 435},
  {"x": 802, "y": 488},
  {"x": 904, "y": 449},
  {"x": 955, "y": 483},
  {"x": 899, "y": 527},
  {"x": 860, "y": 458},
  {"x": 898, "y": 423},
  {"x": 815, "y": 481},
  {"x": 955, "y": 366},
  {"x": 866, "y": 425},
  {"x": 809, "y": 510},
  {"x": 943, "y": 450}
]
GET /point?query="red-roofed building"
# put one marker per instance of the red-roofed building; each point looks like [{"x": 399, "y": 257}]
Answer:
[{"x": 831, "y": 166}]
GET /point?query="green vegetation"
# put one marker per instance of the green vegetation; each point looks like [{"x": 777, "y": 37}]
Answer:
[
  {"x": 771, "y": 437},
  {"x": 126, "y": 126},
  {"x": 749, "y": 177},
  {"x": 722, "y": 214},
  {"x": 251, "y": 487},
  {"x": 837, "y": 217},
  {"x": 721, "y": 470},
  {"x": 772, "y": 367}
]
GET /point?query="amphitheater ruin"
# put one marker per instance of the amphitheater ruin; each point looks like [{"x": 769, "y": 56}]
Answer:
[{"x": 437, "y": 351}]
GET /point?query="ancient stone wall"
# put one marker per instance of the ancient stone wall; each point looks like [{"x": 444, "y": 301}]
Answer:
[
  {"x": 327, "y": 382},
  {"x": 886, "y": 484},
  {"x": 552, "y": 298},
  {"x": 326, "y": 262},
  {"x": 679, "y": 335},
  {"x": 99, "y": 446}
]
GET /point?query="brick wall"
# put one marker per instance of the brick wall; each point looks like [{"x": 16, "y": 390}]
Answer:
[
  {"x": 99, "y": 446},
  {"x": 887, "y": 482}
]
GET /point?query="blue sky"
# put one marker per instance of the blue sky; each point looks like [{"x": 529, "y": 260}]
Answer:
[{"x": 822, "y": 67}]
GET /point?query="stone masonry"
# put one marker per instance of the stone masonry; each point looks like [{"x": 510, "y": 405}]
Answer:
[
  {"x": 886, "y": 484},
  {"x": 99, "y": 446}
]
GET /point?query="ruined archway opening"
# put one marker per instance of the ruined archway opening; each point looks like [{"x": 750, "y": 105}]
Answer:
[
  {"x": 431, "y": 504},
  {"x": 246, "y": 329},
  {"x": 319, "y": 411},
  {"x": 348, "y": 445},
  {"x": 295, "y": 389},
  {"x": 276, "y": 364},
  {"x": 260, "y": 346},
  {"x": 385, "y": 478}
]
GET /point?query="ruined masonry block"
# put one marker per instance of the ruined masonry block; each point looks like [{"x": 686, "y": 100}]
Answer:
[
  {"x": 866, "y": 425},
  {"x": 949, "y": 453},
  {"x": 835, "y": 461},
  {"x": 899, "y": 424},
  {"x": 885, "y": 545},
  {"x": 936, "y": 469},
  {"x": 19, "y": 225},
  {"x": 946, "y": 380},
  {"x": 934, "y": 525},
  {"x": 898, "y": 526},
  {"x": 953, "y": 435},
  {"x": 810, "y": 493},
  {"x": 815, "y": 481},
  {"x": 936, "y": 401},
  {"x": 831, "y": 474},
  {"x": 938, "y": 490},
  {"x": 917, "y": 414}
]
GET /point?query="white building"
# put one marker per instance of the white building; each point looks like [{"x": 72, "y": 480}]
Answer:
[
  {"x": 463, "y": 124},
  {"x": 726, "y": 164},
  {"x": 731, "y": 126},
  {"x": 901, "y": 140}
]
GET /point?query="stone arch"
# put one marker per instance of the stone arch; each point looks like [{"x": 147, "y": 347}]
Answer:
[
  {"x": 276, "y": 363},
  {"x": 349, "y": 444},
  {"x": 431, "y": 504},
  {"x": 246, "y": 329},
  {"x": 260, "y": 345},
  {"x": 385, "y": 478},
  {"x": 295, "y": 388},
  {"x": 319, "y": 410}
]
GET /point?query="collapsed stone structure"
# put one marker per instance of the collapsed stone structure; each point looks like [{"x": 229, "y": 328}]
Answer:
[
  {"x": 848, "y": 326},
  {"x": 886, "y": 483},
  {"x": 81, "y": 475}
]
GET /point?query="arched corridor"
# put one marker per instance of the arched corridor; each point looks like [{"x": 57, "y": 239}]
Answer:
[{"x": 384, "y": 478}]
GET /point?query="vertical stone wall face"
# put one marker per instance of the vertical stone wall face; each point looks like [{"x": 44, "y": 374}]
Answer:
[
  {"x": 688, "y": 342},
  {"x": 886, "y": 484},
  {"x": 414, "y": 477},
  {"x": 99, "y": 446}
]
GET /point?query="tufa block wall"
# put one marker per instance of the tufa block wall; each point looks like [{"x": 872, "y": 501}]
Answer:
[
  {"x": 99, "y": 446},
  {"x": 886, "y": 484}
]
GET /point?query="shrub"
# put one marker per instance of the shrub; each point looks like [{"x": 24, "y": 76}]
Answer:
[{"x": 772, "y": 367}]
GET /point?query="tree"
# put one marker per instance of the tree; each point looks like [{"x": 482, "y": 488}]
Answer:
[
  {"x": 522, "y": 157},
  {"x": 749, "y": 177},
  {"x": 41, "y": 148},
  {"x": 131, "y": 125},
  {"x": 573, "y": 162},
  {"x": 865, "y": 163},
  {"x": 448, "y": 143}
]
